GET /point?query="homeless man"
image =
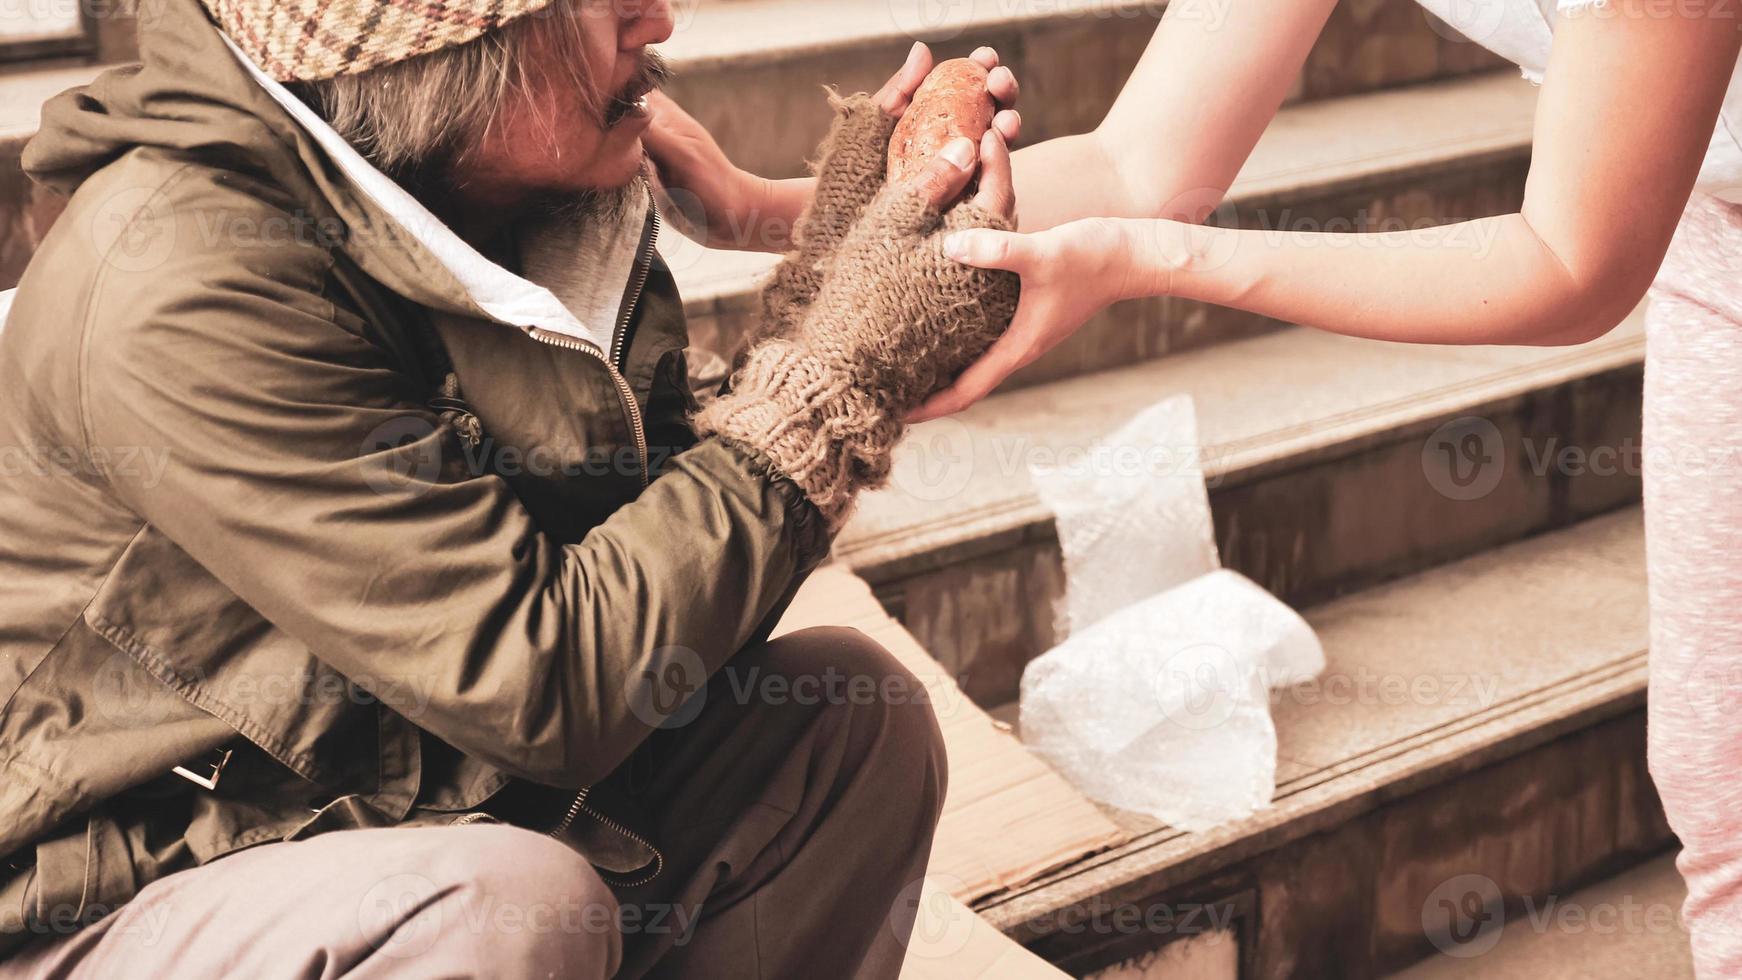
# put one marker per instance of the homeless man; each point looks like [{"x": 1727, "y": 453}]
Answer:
[{"x": 379, "y": 615}]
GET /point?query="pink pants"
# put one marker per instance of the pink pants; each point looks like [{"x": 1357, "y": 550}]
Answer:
[{"x": 1693, "y": 522}]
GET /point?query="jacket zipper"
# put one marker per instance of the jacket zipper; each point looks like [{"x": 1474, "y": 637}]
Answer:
[
  {"x": 643, "y": 266},
  {"x": 625, "y": 394},
  {"x": 579, "y": 806},
  {"x": 613, "y": 361}
]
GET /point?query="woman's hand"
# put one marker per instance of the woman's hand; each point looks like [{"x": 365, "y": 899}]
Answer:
[
  {"x": 707, "y": 197},
  {"x": 1069, "y": 273},
  {"x": 713, "y": 201},
  {"x": 893, "y": 320}
]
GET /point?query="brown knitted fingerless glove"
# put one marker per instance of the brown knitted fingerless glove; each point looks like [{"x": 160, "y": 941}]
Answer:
[
  {"x": 850, "y": 163},
  {"x": 893, "y": 321}
]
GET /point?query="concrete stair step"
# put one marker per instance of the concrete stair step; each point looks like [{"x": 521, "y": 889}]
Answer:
[
  {"x": 1327, "y": 466},
  {"x": 751, "y": 69},
  {"x": 1479, "y": 725},
  {"x": 1384, "y": 161},
  {"x": 1624, "y": 928}
]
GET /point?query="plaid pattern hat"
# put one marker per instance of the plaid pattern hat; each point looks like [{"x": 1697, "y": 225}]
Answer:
[{"x": 308, "y": 40}]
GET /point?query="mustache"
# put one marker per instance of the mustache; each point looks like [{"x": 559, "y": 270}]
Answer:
[{"x": 653, "y": 72}]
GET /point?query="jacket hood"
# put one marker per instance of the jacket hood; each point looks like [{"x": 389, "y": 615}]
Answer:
[{"x": 196, "y": 94}]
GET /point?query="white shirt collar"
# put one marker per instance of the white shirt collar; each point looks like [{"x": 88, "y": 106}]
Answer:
[{"x": 605, "y": 255}]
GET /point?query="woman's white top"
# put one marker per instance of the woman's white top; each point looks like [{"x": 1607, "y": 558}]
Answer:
[{"x": 1523, "y": 30}]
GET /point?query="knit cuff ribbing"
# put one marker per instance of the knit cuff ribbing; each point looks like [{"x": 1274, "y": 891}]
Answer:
[{"x": 802, "y": 413}]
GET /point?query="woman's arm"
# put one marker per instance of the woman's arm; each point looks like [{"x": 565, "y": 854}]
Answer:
[
  {"x": 1623, "y": 121},
  {"x": 1625, "y": 115},
  {"x": 1182, "y": 127}
]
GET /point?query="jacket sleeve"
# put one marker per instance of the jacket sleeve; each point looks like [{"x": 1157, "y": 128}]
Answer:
[{"x": 302, "y": 474}]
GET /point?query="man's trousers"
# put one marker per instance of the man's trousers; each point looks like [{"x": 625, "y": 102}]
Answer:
[{"x": 793, "y": 808}]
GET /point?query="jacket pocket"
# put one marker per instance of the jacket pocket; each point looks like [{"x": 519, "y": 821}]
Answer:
[
  {"x": 184, "y": 628},
  {"x": 82, "y": 875}
]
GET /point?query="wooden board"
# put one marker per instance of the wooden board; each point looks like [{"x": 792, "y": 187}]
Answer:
[{"x": 1008, "y": 817}]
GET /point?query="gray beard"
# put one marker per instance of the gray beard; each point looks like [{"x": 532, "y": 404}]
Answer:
[{"x": 608, "y": 204}]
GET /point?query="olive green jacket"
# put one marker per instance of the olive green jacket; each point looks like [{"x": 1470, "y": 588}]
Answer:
[{"x": 244, "y": 523}]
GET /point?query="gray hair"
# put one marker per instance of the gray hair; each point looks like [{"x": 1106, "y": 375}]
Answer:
[{"x": 429, "y": 111}]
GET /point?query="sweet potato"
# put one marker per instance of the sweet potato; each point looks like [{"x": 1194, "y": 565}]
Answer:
[{"x": 951, "y": 102}]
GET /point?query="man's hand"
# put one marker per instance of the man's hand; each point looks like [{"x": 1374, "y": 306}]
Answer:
[
  {"x": 944, "y": 179},
  {"x": 893, "y": 321},
  {"x": 723, "y": 206}
]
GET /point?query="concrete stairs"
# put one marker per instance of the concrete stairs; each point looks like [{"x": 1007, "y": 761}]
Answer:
[
  {"x": 1480, "y": 721},
  {"x": 1327, "y": 463},
  {"x": 1460, "y": 524},
  {"x": 751, "y": 69},
  {"x": 1624, "y": 928}
]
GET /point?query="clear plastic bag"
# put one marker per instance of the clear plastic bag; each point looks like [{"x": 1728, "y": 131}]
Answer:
[
  {"x": 1158, "y": 701},
  {"x": 1164, "y": 706},
  {"x": 1132, "y": 513}
]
